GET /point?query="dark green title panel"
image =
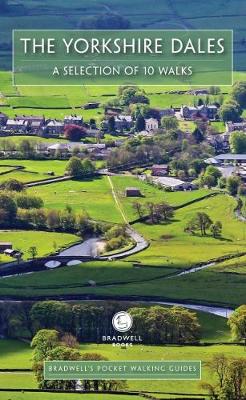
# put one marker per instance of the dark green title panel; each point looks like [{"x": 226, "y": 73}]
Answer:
[{"x": 156, "y": 57}]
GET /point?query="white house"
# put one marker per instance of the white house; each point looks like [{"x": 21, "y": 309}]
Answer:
[
  {"x": 151, "y": 124},
  {"x": 73, "y": 119}
]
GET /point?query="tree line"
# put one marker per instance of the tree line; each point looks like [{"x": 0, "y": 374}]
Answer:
[
  {"x": 89, "y": 322},
  {"x": 27, "y": 212}
]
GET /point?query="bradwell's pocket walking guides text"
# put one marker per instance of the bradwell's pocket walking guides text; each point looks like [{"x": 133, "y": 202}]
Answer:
[{"x": 122, "y": 200}]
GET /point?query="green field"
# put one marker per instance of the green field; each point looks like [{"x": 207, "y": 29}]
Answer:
[
  {"x": 170, "y": 250},
  {"x": 151, "y": 193},
  {"x": 33, "y": 170},
  {"x": 169, "y": 242},
  {"x": 44, "y": 241},
  {"x": 50, "y": 101},
  {"x": 93, "y": 196},
  {"x": 41, "y": 167}
]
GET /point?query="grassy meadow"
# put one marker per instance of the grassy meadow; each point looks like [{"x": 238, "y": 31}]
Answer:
[
  {"x": 92, "y": 196},
  {"x": 33, "y": 170},
  {"x": 43, "y": 241},
  {"x": 170, "y": 250},
  {"x": 57, "y": 102}
]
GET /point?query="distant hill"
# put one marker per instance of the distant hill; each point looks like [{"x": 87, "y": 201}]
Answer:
[{"x": 144, "y": 14}]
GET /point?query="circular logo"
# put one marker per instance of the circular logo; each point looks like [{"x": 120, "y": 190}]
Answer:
[{"x": 122, "y": 321}]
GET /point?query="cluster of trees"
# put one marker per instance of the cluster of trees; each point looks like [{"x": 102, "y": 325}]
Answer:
[
  {"x": 27, "y": 202},
  {"x": 50, "y": 345},
  {"x": 12, "y": 185},
  {"x": 58, "y": 220},
  {"x": 8, "y": 210},
  {"x": 166, "y": 325},
  {"x": 128, "y": 95},
  {"x": 136, "y": 151},
  {"x": 201, "y": 222},
  {"x": 89, "y": 322},
  {"x": 25, "y": 211},
  {"x": 238, "y": 142},
  {"x": 144, "y": 109},
  {"x": 209, "y": 177},
  {"x": 232, "y": 109},
  {"x": 212, "y": 177},
  {"x": 230, "y": 378},
  {"x": 26, "y": 148},
  {"x": 184, "y": 152},
  {"x": 80, "y": 168},
  {"x": 241, "y": 206},
  {"x": 74, "y": 133},
  {"x": 237, "y": 323},
  {"x": 156, "y": 212},
  {"x": 116, "y": 237},
  {"x": 29, "y": 149}
]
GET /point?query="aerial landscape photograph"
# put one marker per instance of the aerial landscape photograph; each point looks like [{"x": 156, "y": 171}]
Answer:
[{"x": 122, "y": 213}]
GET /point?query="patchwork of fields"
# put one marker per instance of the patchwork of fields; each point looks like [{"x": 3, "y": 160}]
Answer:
[
  {"x": 57, "y": 102},
  {"x": 170, "y": 250},
  {"x": 50, "y": 14}
]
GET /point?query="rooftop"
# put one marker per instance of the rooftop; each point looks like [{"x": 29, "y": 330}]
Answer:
[
  {"x": 230, "y": 156},
  {"x": 169, "y": 181}
]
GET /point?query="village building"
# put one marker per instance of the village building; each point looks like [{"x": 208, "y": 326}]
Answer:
[
  {"x": 93, "y": 132},
  {"x": 36, "y": 127},
  {"x": 4, "y": 246},
  {"x": 173, "y": 183},
  {"x": 90, "y": 106},
  {"x": 54, "y": 128},
  {"x": 195, "y": 112},
  {"x": 220, "y": 142},
  {"x": 62, "y": 148},
  {"x": 151, "y": 124},
  {"x": 235, "y": 126},
  {"x": 227, "y": 158},
  {"x": 13, "y": 253},
  {"x": 166, "y": 112},
  {"x": 73, "y": 119},
  {"x": 123, "y": 122},
  {"x": 132, "y": 192},
  {"x": 68, "y": 148},
  {"x": 30, "y": 118},
  {"x": 19, "y": 126},
  {"x": 159, "y": 170}
]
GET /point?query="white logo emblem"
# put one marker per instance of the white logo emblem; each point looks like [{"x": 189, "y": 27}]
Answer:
[{"x": 122, "y": 321}]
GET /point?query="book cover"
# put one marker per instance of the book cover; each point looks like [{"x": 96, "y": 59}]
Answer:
[{"x": 122, "y": 200}]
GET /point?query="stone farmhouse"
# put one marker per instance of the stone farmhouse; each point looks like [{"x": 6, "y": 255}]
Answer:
[{"x": 209, "y": 112}]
